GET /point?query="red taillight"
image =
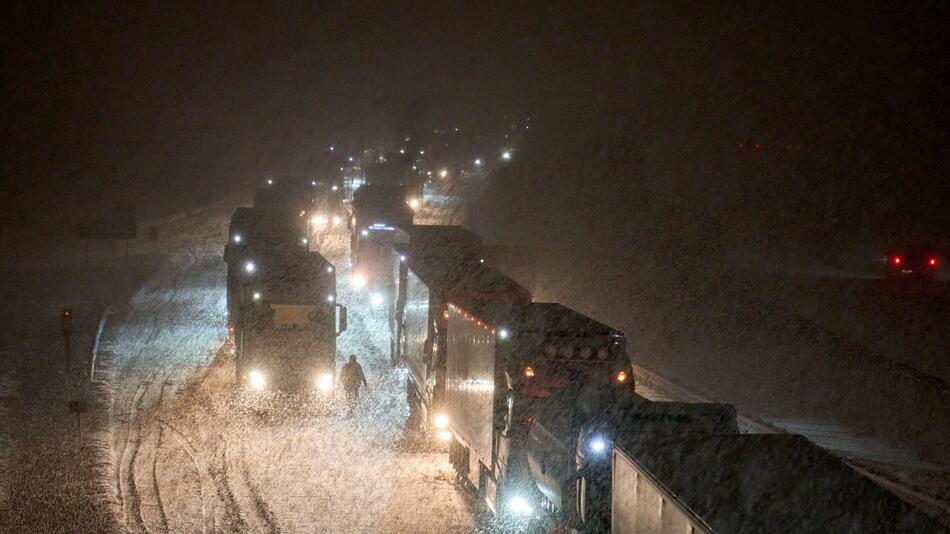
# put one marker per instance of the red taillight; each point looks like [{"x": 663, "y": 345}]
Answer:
[
  {"x": 896, "y": 260},
  {"x": 933, "y": 262}
]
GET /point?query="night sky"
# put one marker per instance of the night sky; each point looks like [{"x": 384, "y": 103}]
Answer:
[{"x": 838, "y": 111}]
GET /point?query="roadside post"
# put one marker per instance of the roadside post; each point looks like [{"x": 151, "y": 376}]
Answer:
[{"x": 66, "y": 323}]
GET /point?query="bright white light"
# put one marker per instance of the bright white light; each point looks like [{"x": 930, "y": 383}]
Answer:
[
  {"x": 313, "y": 182},
  {"x": 506, "y": 155},
  {"x": 519, "y": 506},
  {"x": 422, "y": 152},
  {"x": 332, "y": 148},
  {"x": 325, "y": 382},
  {"x": 237, "y": 238},
  {"x": 359, "y": 280},
  {"x": 445, "y": 435},
  {"x": 441, "y": 421},
  {"x": 429, "y": 173},
  {"x": 350, "y": 159},
  {"x": 478, "y": 162},
  {"x": 364, "y": 232},
  {"x": 318, "y": 220},
  {"x": 250, "y": 267},
  {"x": 330, "y": 298},
  {"x": 414, "y": 203},
  {"x": 256, "y": 378},
  {"x": 443, "y": 173},
  {"x": 335, "y": 188},
  {"x": 257, "y": 295},
  {"x": 376, "y": 299},
  {"x": 336, "y": 219},
  {"x": 270, "y": 182},
  {"x": 304, "y": 241},
  {"x": 481, "y": 260},
  {"x": 402, "y": 150},
  {"x": 598, "y": 445},
  {"x": 402, "y": 257},
  {"x": 503, "y": 334},
  {"x": 329, "y": 269}
]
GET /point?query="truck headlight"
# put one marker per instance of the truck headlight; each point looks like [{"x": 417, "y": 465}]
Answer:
[
  {"x": 441, "y": 421},
  {"x": 445, "y": 436},
  {"x": 256, "y": 379},
  {"x": 325, "y": 382},
  {"x": 519, "y": 505},
  {"x": 597, "y": 445}
]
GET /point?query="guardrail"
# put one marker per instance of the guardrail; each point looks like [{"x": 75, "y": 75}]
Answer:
[{"x": 95, "y": 344}]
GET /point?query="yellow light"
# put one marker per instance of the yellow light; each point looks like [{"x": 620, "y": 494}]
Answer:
[
  {"x": 529, "y": 372},
  {"x": 441, "y": 421},
  {"x": 325, "y": 382},
  {"x": 337, "y": 220},
  {"x": 256, "y": 379},
  {"x": 414, "y": 203},
  {"x": 622, "y": 376},
  {"x": 445, "y": 435}
]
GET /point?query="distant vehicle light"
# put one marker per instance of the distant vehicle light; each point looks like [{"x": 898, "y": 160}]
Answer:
[
  {"x": 350, "y": 159},
  {"x": 598, "y": 445},
  {"x": 270, "y": 182},
  {"x": 896, "y": 260},
  {"x": 303, "y": 212},
  {"x": 529, "y": 372},
  {"x": 330, "y": 298},
  {"x": 304, "y": 241},
  {"x": 622, "y": 377},
  {"x": 359, "y": 280},
  {"x": 329, "y": 269},
  {"x": 422, "y": 152},
  {"x": 402, "y": 257},
  {"x": 414, "y": 203},
  {"x": 335, "y": 188},
  {"x": 933, "y": 262},
  {"x": 325, "y": 382},
  {"x": 445, "y": 435},
  {"x": 319, "y": 220},
  {"x": 336, "y": 219},
  {"x": 364, "y": 233},
  {"x": 441, "y": 421},
  {"x": 332, "y": 148},
  {"x": 237, "y": 238},
  {"x": 257, "y": 295},
  {"x": 376, "y": 299},
  {"x": 250, "y": 267},
  {"x": 506, "y": 155},
  {"x": 478, "y": 162},
  {"x": 481, "y": 260},
  {"x": 313, "y": 182},
  {"x": 402, "y": 150},
  {"x": 443, "y": 173},
  {"x": 519, "y": 506},
  {"x": 503, "y": 333},
  {"x": 256, "y": 379}
]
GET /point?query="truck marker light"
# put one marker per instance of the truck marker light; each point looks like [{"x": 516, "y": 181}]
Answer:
[
  {"x": 250, "y": 267},
  {"x": 933, "y": 262},
  {"x": 529, "y": 372},
  {"x": 897, "y": 260},
  {"x": 622, "y": 377}
]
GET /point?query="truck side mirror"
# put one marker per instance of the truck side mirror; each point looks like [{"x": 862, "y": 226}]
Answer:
[{"x": 342, "y": 319}]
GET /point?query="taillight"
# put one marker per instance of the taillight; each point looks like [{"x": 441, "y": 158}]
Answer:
[
  {"x": 933, "y": 262},
  {"x": 896, "y": 260}
]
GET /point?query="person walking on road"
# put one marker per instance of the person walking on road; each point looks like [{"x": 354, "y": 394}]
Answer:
[{"x": 352, "y": 377}]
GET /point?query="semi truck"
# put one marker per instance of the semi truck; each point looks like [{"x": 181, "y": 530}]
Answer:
[
  {"x": 503, "y": 361},
  {"x": 380, "y": 215},
  {"x": 571, "y": 436}
]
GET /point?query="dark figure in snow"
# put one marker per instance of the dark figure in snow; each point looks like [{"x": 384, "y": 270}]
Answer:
[{"x": 352, "y": 377}]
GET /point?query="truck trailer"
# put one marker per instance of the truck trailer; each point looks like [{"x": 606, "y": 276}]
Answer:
[
  {"x": 380, "y": 215},
  {"x": 504, "y": 360},
  {"x": 432, "y": 273},
  {"x": 779, "y": 483}
]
